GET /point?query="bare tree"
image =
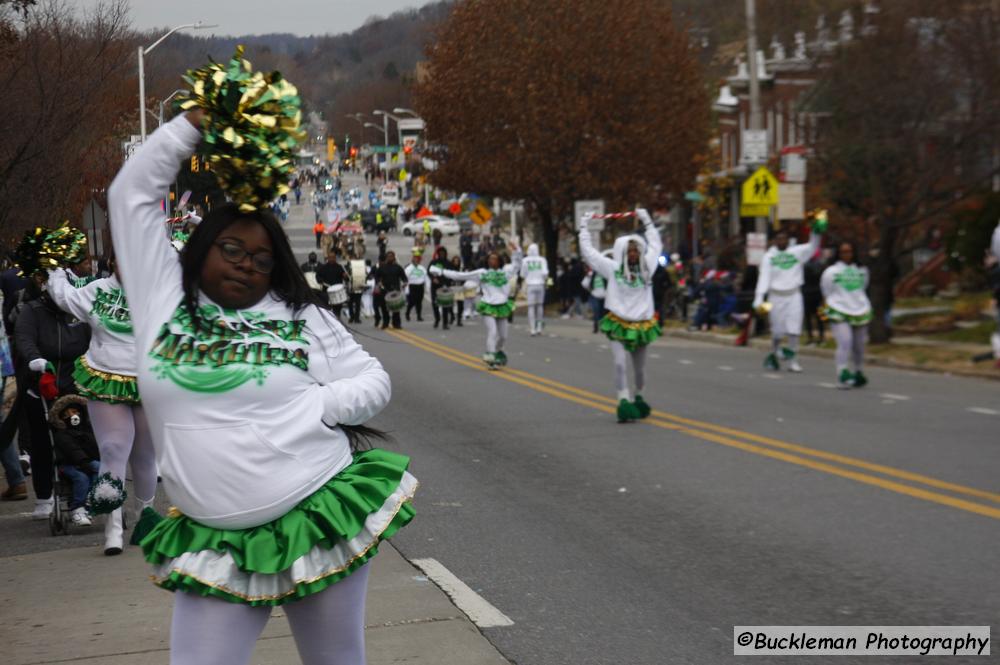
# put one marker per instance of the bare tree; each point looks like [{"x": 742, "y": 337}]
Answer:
[{"x": 68, "y": 77}]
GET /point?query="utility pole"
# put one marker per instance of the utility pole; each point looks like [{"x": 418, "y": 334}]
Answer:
[{"x": 756, "y": 119}]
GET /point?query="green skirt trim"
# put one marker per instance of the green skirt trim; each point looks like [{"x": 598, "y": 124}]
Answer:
[
  {"x": 498, "y": 311},
  {"x": 632, "y": 334},
  {"x": 336, "y": 511},
  {"x": 853, "y": 319},
  {"x": 103, "y": 386},
  {"x": 319, "y": 542}
]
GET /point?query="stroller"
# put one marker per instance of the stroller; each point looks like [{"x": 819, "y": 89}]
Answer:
[{"x": 60, "y": 522}]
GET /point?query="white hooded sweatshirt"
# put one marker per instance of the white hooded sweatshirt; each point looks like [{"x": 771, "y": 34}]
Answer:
[
  {"x": 102, "y": 304},
  {"x": 244, "y": 407},
  {"x": 843, "y": 286},
  {"x": 781, "y": 270},
  {"x": 534, "y": 268},
  {"x": 496, "y": 285},
  {"x": 629, "y": 296}
]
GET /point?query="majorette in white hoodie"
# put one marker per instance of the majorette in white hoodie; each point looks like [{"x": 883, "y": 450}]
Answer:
[
  {"x": 534, "y": 268},
  {"x": 495, "y": 284},
  {"x": 781, "y": 270},
  {"x": 102, "y": 304},
  {"x": 629, "y": 295},
  {"x": 243, "y": 410},
  {"x": 843, "y": 286}
]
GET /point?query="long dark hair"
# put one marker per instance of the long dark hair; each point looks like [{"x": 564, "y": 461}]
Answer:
[{"x": 287, "y": 281}]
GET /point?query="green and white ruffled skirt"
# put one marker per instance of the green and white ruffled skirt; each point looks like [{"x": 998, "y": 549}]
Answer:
[
  {"x": 501, "y": 311},
  {"x": 319, "y": 542},
  {"x": 854, "y": 319},
  {"x": 95, "y": 384},
  {"x": 632, "y": 334}
]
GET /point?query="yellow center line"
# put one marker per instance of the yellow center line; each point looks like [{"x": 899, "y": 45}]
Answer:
[{"x": 690, "y": 427}]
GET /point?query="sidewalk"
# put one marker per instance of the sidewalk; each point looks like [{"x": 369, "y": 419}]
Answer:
[
  {"x": 78, "y": 606},
  {"x": 906, "y": 353}
]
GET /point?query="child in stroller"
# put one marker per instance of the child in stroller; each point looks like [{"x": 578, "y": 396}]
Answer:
[{"x": 76, "y": 455}]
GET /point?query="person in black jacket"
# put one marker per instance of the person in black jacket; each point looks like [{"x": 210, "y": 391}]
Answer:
[
  {"x": 812, "y": 299},
  {"x": 44, "y": 335},
  {"x": 389, "y": 276},
  {"x": 76, "y": 451}
]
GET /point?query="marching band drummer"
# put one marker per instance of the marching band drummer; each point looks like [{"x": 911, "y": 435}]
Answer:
[{"x": 332, "y": 274}]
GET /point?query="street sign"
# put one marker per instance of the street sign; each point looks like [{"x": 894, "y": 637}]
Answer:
[
  {"x": 760, "y": 189},
  {"x": 379, "y": 149},
  {"x": 481, "y": 214},
  {"x": 409, "y": 142},
  {"x": 596, "y": 206},
  {"x": 756, "y": 247},
  {"x": 754, "y": 146},
  {"x": 753, "y": 210},
  {"x": 791, "y": 200},
  {"x": 694, "y": 197}
]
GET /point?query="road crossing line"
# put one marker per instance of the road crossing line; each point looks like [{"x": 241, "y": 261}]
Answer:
[{"x": 775, "y": 449}]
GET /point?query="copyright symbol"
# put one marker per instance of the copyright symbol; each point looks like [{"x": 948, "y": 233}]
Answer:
[{"x": 745, "y": 639}]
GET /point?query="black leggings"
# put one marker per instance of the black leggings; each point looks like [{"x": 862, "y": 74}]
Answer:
[{"x": 415, "y": 299}]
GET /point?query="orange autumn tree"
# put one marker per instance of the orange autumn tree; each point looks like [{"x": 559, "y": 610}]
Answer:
[{"x": 549, "y": 102}]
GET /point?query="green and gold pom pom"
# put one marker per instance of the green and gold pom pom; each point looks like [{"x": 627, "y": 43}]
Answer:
[
  {"x": 251, "y": 128},
  {"x": 43, "y": 248}
]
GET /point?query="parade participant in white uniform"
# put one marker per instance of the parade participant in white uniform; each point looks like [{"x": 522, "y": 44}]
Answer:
[
  {"x": 496, "y": 282},
  {"x": 105, "y": 375},
  {"x": 780, "y": 281},
  {"x": 256, "y": 397},
  {"x": 629, "y": 322},
  {"x": 535, "y": 273},
  {"x": 849, "y": 311},
  {"x": 416, "y": 283}
]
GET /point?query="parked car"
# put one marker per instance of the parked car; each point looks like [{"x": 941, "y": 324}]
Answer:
[{"x": 447, "y": 225}]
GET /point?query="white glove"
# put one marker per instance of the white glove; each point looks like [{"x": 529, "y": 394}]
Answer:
[
  {"x": 643, "y": 216},
  {"x": 38, "y": 365},
  {"x": 585, "y": 221},
  {"x": 436, "y": 270},
  {"x": 757, "y": 302}
]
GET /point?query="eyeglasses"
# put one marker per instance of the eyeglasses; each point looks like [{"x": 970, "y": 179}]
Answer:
[{"x": 262, "y": 262}]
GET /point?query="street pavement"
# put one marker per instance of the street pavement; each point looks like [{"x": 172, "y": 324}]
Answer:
[{"x": 748, "y": 499}]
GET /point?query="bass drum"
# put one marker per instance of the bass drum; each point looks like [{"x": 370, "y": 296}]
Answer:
[{"x": 359, "y": 276}]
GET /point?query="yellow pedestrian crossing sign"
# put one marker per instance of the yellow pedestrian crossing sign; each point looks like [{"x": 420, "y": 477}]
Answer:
[
  {"x": 481, "y": 214},
  {"x": 760, "y": 189}
]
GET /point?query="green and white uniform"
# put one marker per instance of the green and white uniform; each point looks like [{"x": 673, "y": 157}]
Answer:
[
  {"x": 245, "y": 407},
  {"x": 107, "y": 371},
  {"x": 780, "y": 280},
  {"x": 849, "y": 311}
]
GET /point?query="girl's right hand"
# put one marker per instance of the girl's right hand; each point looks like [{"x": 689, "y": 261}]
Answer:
[{"x": 196, "y": 117}]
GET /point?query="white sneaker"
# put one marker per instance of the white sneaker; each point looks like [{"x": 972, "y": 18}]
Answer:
[
  {"x": 43, "y": 508},
  {"x": 794, "y": 366},
  {"x": 80, "y": 517}
]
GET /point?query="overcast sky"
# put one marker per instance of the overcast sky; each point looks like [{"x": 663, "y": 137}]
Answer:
[{"x": 254, "y": 17}]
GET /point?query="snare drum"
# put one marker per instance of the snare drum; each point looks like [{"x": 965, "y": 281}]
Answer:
[
  {"x": 358, "y": 276},
  {"x": 337, "y": 294},
  {"x": 444, "y": 297},
  {"x": 395, "y": 301}
]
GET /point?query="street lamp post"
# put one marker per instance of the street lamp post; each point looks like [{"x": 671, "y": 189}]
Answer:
[
  {"x": 142, "y": 70},
  {"x": 384, "y": 132},
  {"x": 163, "y": 103},
  {"x": 402, "y": 110}
]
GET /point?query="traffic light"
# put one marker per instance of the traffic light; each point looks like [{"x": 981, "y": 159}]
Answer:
[
  {"x": 407, "y": 149},
  {"x": 354, "y": 152},
  {"x": 194, "y": 163}
]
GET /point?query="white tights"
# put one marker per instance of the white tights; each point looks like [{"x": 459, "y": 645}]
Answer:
[
  {"x": 328, "y": 627},
  {"x": 793, "y": 344},
  {"x": 496, "y": 333},
  {"x": 536, "y": 306},
  {"x": 620, "y": 355},
  {"x": 850, "y": 344},
  {"x": 122, "y": 435}
]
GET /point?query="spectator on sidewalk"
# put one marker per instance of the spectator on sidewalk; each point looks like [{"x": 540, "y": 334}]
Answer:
[
  {"x": 76, "y": 451},
  {"x": 44, "y": 335}
]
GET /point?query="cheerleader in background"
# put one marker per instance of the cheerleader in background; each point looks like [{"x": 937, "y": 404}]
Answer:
[
  {"x": 629, "y": 322},
  {"x": 497, "y": 282},
  {"x": 849, "y": 311},
  {"x": 535, "y": 273},
  {"x": 105, "y": 375}
]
